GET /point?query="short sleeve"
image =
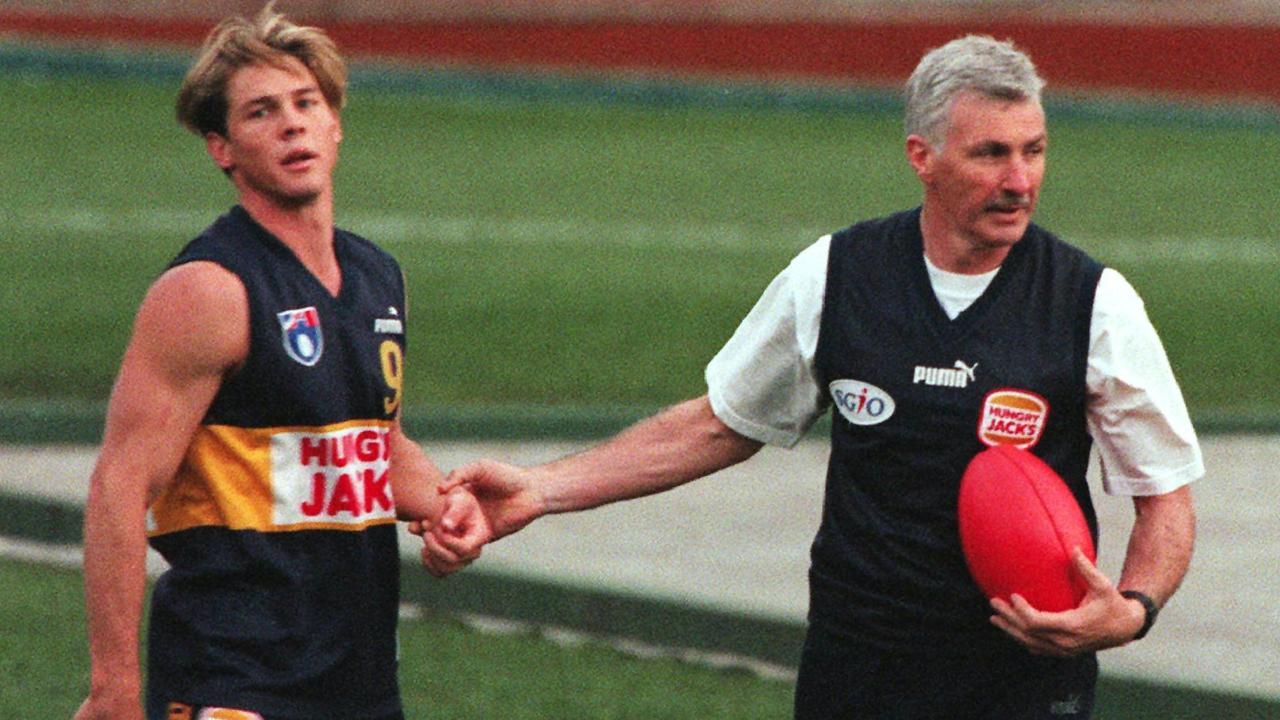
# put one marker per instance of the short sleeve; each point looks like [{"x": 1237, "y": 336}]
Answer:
[
  {"x": 762, "y": 382},
  {"x": 1136, "y": 412}
]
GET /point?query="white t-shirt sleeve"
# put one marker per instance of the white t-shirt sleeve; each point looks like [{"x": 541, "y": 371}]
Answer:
[
  {"x": 1136, "y": 414},
  {"x": 762, "y": 382}
]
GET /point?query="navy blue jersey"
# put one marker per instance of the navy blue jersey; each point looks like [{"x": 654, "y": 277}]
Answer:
[
  {"x": 279, "y": 527},
  {"x": 915, "y": 396}
]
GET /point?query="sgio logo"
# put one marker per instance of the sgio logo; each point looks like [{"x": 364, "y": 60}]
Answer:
[{"x": 861, "y": 403}]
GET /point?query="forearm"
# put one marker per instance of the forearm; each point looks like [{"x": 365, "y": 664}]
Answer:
[
  {"x": 414, "y": 479},
  {"x": 680, "y": 444},
  {"x": 1160, "y": 544},
  {"x": 115, "y": 582},
  {"x": 1159, "y": 553}
]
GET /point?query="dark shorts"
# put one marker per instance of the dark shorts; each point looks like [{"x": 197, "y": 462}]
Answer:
[
  {"x": 182, "y": 711},
  {"x": 842, "y": 679}
]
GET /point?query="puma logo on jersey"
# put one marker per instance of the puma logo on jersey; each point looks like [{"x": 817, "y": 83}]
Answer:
[
  {"x": 1070, "y": 706},
  {"x": 390, "y": 326},
  {"x": 957, "y": 376}
]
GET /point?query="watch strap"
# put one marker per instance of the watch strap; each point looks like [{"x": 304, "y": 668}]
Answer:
[{"x": 1148, "y": 605}]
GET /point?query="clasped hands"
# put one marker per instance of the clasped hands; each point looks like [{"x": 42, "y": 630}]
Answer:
[
  {"x": 481, "y": 502},
  {"x": 487, "y": 500}
]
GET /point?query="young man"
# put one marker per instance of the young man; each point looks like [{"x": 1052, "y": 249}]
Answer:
[
  {"x": 253, "y": 432},
  {"x": 916, "y": 329}
]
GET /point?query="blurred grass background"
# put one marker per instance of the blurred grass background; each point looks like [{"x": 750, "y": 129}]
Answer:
[
  {"x": 582, "y": 246},
  {"x": 577, "y": 250},
  {"x": 450, "y": 670}
]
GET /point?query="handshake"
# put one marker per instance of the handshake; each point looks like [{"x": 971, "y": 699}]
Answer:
[{"x": 479, "y": 503}]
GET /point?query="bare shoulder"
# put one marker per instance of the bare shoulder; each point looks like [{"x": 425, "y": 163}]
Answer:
[
  {"x": 191, "y": 329},
  {"x": 196, "y": 313},
  {"x": 195, "y": 285}
]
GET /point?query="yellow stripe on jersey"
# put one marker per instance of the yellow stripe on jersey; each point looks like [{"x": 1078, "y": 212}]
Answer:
[
  {"x": 280, "y": 479},
  {"x": 212, "y": 713}
]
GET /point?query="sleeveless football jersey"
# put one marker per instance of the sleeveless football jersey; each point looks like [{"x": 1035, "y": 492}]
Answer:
[
  {"x": 280, "y": 524},
  {"x": 915, "y": 395}
]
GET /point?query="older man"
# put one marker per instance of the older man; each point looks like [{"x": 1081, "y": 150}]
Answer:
[{"x": 914, "y": 328}]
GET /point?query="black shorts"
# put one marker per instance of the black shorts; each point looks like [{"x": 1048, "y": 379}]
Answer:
[
  {"x": 182, "y": 711},
  {"x": 841, "y": 679}
]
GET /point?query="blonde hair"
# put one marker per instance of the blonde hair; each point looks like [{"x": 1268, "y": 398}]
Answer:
[{"x": 236, "y": 43}]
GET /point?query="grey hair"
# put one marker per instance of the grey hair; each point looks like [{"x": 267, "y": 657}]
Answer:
[{"x": 976, "y": 63}]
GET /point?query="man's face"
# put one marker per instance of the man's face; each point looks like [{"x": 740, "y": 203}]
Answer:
[
  {"x": 983, "y": 184},
  {"x": 282, "y": 135}
]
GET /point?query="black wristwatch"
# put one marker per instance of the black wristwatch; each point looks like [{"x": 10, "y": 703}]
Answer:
[{"x": 1147, "y": 604}]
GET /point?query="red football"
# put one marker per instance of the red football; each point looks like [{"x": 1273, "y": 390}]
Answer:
[{"x": 1018, "y": 525}]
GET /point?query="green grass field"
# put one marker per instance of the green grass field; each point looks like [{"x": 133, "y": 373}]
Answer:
[
  {"x": 449, "y": 670},
  {"x": 572, "y": 252}
]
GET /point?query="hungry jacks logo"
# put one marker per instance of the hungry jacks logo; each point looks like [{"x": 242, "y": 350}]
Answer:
[{"x": 1012, "y": 417}]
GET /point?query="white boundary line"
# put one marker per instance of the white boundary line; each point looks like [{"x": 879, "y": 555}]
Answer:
[
  {"x": 72, "y": 556},
  {"x": 65, "y": 556},
  {"x": 576, "y": 232}
]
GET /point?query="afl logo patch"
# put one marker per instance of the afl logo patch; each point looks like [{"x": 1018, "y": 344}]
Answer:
[
  {"x": 1012, "y": 417},
  {"x": 861, "y": 403},
  {"x": 300, "y": 329}
]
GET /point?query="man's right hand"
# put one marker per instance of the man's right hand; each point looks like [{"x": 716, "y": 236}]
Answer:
[
  {"x": 110, "y": 706},
  {"x": 508, "y": 495},
  {"x": 507, "y": 499}
]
